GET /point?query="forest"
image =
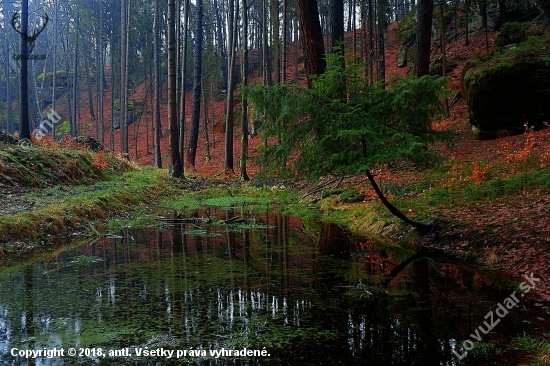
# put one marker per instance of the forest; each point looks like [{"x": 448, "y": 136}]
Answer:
[{"x": 274, "y": 182}]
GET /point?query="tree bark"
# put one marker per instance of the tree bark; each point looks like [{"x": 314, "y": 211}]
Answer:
[
  {"x": 312, "y": 37},
  {"x": 182, "y": 115},
  {"x": 244, "y": 115},
  {"x": 24, "y": 127},
  {"x": 196, "y": 108},
  {"x": 423, "y": 37},
  {"x": 229, "y": 117},
  {"x": 156, "y": 86},
  {"x": 221, "y": 43},
  {"x": 101, "y": 77},
  {"x": 74, "y": 122},
  {"x": 123, "y": 77},
  {"x": 176, "y": 167},
  {"x": 336, "y": 23},
  {"x": 381, "y": 47}
]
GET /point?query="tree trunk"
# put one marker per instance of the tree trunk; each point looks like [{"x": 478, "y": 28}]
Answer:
[
  {"x": 219, "y": 34},
  {"x": 9, "y": 101},
  {"x": 244, "y": 116},
  {"x": 274, "y": 12},
  {"x": 423, "y": 37},
  {"x": 123, "y": 77},
  {"x": 312, "y": 37},
  {"x": 424, "y": 227},
  {"x": 229, "y": 118},
  {"x": 370, "y": 42},
  {"x": 284, "y": 36},
  {"x": 156, "y": 86},
  {"x": 381, "y": 47},
  {"x": 74, "y": 119},
  {"x": 265, "y": 48},
  {"x": 176, "y": 167},
  {"x": 24, "y": 128},
  {"x": 182, "y": 116},
  {"x": 196, "y": 109},
  {"x": 466, "y": 21},
  {"x": 205, "y": 123},
  {"x": 101, "y": 76},
  {"x": 89, "y": 82},
  {"x": 336, "y": 24}
]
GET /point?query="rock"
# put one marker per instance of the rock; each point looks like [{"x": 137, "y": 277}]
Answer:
[
  {"x": 8, "y": 139},
  {"x": 90, "y": 142},
  {"x": 503, "y": 96}
]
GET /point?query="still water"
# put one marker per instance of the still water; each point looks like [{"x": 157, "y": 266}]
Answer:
[{"x": 268, "y": 290}]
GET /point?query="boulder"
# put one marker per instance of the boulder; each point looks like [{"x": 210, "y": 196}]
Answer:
[{"x": 502, "y": 97}]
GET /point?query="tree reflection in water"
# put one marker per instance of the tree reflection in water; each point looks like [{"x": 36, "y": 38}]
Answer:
[{"x": 311, "y": 294}]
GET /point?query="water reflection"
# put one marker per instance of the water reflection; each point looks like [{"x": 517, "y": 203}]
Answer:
[{"x": 309, "y": 294}]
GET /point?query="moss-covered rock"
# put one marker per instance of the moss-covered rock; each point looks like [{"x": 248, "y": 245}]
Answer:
[{"x": 510, "y": 89}]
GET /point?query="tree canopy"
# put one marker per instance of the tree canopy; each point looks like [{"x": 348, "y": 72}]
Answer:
[{"x": 345, "y": 126}]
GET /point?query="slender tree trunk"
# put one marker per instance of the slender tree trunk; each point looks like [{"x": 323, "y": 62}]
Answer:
[
  {"x": 123, "y": 77},
  {"x": 156, "y": 86},
  {"x": 101, "y": 80},
  {"x": 182, "y": 116},
  {"x": 176, "y": 167},
  {"x": 89, "y": 82},
  {"x": 364, "y": 47},
  {"x": 229, "y": 121},
  {"x": 9, "y": 101},
  {"x": 284, "y": 35},
  {"x": 113, "y": 91},
  {"x": 370, "y": 41},
  {"x": 381, "y": 47},
  {"x": 444, "y": 53},
  {"x": 221, "y": 43},
  {"x": 24, "y": 127},
  {"x": 244, "y": 114},
  {"x": 354, "y": 29},
  {"x": 466, "y": 21},
  {"x": 274, "y": 12},
  {"x": 265, "y": 47},
  {"x": 196, "y": 110},
  {"x": 205, "y": 123},
  {"x": 74, "y": 119},
  {"x": 296, "y": 43}
]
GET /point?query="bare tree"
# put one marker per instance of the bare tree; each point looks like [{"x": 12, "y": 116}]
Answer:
[
  {"x": 156, "y": 86},
  {"x": 123, "y": 76},
  {"x": 176, "y": 167},
  {"x": 196, "y": 108},
  {"x": 244, "y": 115},
  {"x": 229, "y": 118},
  {"x": 423, "y": 37}
]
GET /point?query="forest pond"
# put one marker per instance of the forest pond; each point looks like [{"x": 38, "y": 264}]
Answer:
[{"x": 292, "y": 292}]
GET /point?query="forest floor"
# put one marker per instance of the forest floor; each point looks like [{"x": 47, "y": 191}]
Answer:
[{"x": 490, "y": 199}]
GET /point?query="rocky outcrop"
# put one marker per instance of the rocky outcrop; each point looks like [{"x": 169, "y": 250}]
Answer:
[
  {"x": 503, "y": 98},
  {"x": 509, "y": 90}
]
